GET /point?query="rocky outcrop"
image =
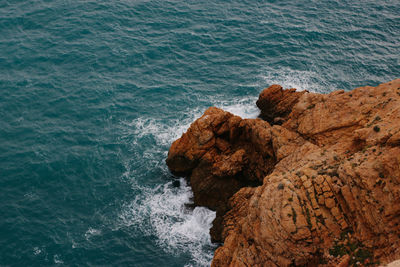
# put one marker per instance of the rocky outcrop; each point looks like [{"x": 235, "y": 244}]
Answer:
[
  {"x": 221, "y": 153},
  {"x": 276, "y": 104},
  {"x": 318, "y": 183}
]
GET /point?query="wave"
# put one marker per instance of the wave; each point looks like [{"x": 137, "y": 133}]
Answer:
[
  {"x": 161, "y": 210},
  {"x": 245, "y": 108},
  {"x": 299, "y": 79},
  {"x": 178, "y": 229}
]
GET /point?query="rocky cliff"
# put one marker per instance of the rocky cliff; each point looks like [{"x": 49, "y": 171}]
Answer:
[{"x": 314, "y": 181}]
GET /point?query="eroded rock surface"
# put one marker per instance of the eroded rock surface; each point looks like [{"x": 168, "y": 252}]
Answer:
[
  {"x": 276, "y": 104},
  {"x": 321, "y": 187},
  {"x": 221, "y": 153}
]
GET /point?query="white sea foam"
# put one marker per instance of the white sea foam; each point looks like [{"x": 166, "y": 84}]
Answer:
[
  {"x": 245, "y": 108},
  {"x": 162, "y": 211},
  {"x": 31, "y": 196},
  {"x": 36, "y": 250},
  {"x": 162, "y": 131},
  {"x": 57, "y": 259},
  {"x": 92, "y": 232},
  {"x": 290, "y": 78}
]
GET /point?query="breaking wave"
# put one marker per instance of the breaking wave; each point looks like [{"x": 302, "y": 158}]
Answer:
[{"x": 164, "y": 211}]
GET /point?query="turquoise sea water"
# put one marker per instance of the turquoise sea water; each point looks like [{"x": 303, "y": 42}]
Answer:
[{"x": 92, "y": 93}]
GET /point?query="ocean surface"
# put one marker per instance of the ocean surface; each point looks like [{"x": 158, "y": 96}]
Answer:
[{"x": 92, "y": 93}]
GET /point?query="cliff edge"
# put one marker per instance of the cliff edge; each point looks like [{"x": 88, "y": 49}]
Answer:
[{"x": 314, "y": 181}]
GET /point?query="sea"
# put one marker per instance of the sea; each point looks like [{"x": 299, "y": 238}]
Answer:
[{"x": 93, "y": 93}]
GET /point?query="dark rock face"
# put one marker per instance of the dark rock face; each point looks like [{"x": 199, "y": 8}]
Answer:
[{"x": 276, "y": 104}]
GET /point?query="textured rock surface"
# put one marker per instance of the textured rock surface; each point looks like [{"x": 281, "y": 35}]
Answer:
[
  {"x": 276, "y": 104},
  {"x": 221, "y": 153},
  {"x": 321, "y": 188}
]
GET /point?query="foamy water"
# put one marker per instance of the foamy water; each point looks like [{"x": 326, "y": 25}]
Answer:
[
  {"x": 93, "y": 93},
  {"x": 300, "y": 79},
  {"x": 163, "y": 210},
  {"x": 244, "y": 107}
]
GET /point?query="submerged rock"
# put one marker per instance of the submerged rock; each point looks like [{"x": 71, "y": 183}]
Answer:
[{"x": 316, "y": 183}]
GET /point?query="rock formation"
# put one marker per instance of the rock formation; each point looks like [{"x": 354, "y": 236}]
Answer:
[{"x": 317, "y": 182}]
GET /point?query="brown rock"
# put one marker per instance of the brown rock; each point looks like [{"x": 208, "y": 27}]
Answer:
[
  {"x": 344, "y": 261},
  {"x": 276, "y": 104},
  {"x": 323, "y": 183},
  {"x": 221, "y": 153}
]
